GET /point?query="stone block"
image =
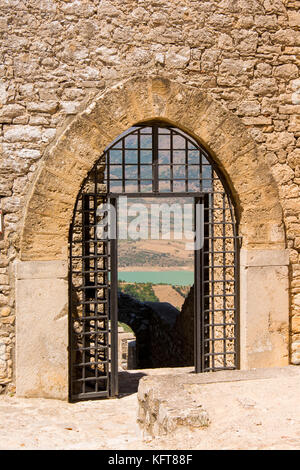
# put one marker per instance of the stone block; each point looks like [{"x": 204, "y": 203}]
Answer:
[
  {"x": 42, "y": 331},
  {"x": 294, "y": 18},
  {"x": 43, "y": 107},
  {"x": 160, "y": 407},
  {"x": 264, "y": 303},
  {"x": 42, "y": 270},
  {"x": 20, "y": 133},
  {"x": 257, "y": 121},
  {"x": 286, "y": 71},
  {"x": 9, "y": 112}
]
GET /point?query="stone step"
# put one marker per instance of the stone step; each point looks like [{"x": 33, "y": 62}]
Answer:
[{"x": 167, "y": 403}]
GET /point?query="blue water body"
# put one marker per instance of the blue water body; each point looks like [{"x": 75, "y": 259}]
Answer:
[{"x": 179, "y": 278}]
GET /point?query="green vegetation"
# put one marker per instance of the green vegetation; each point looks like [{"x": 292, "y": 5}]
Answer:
[
  {"x": 125, "y": 327},
  {"x": 182, "y": 290},
  {"x": 140, "y": 291}
]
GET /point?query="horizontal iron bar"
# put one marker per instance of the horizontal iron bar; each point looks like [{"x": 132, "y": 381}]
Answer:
[
  {"x": 231, "y": 309},
  {"x": 219, "y": 223},
  {"x": 94, "y": 317},
  {"x": 221, "y": 238},
  {"x": 160, "y": 149},
  {"x": 217, "y": 280},
  {"x": 219, "y": 295},
  {"x": 84, "y": 364},
  {"x": 91, "y": 271},
  {"x": 220, "y": 354},
  {"x": 209, "y": 252},
  {"x": 92, "y": 333},
  {"x": 209, "y": 340},
  {"x": 90, "y": 240},
  {"x": 160, "y": 194},
  {"x": 223, "y": 266},
  {"x": 93, "y": 348},
  {"x": 90, "y": 379},
  {"x": 97, "y": 286},
  {"x": 90, "y": 257},
  {"x": 88, "y": 395}
]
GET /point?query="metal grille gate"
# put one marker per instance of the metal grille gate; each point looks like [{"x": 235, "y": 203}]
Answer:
[{"x": 149, "y": 160}]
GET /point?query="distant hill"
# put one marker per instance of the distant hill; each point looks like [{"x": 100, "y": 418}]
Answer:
[{"x": 154, "y": 253}]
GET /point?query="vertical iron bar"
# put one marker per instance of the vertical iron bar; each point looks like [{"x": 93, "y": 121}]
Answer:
[
  {"x": 224, "y": 277},
  {"x": 139, "y": 159},
  {"x": 197, "y": 295},
  {"x": 107, "y": 172},
  {"x": 171, "y": 162},
  {"x": 155, "y": 158},
  {"x": 70, "y": 317},
  {"x": 237, "y": 299},
  {"x": 95, "y": 312},
  {"x": 123, "y": 165},
  {"x": 114, "y": 305},
  {"x": 237, "y": 339},
  {"x": 205, "y": 278},
  {"x": 85, "y": 281},
  {"x": 186, "y": 166},
  {"x": 212, "y": 284},
  {"x": 105, "y": 267}
]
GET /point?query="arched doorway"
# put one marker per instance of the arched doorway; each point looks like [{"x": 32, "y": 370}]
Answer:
[
  {"x": 42, "y": 268},
  {"x": 151, "y": 159}
]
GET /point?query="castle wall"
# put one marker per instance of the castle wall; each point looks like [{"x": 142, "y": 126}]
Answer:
[{"x": 57, "y": 56}]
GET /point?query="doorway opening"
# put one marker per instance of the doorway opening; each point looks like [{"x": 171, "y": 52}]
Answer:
[
  {"x": 155, "y": 277},
  {"x": 150, "y": 160}
]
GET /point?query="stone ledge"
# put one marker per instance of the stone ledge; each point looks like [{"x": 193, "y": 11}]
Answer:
[
  {"x": 264, "y": 258},
  {"x": 54, "y": 269},
  {"x": 160, "y": 410},
  {"x": 169, "y": 403}
]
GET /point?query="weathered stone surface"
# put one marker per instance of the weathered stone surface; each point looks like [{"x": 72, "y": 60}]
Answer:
[
  {"x": 22, "y": 134},
  {"x": 264, "y": 274},
  {"x": 43, "y": 107},
  {"x": 294, "y": 18},
  {"x": 3, "y": 92},
  {"x": 9, "y": 112},
  {"x": 5, "y": 311},
  {"x": 264, "y": 87},
  {"x": 160, "y": 410},
  {"x": 161, "y": 398},
  {"x": 43, "y": 315},
  {"x": 287, "y": 71},
  {"x": 178, "y": 58}
]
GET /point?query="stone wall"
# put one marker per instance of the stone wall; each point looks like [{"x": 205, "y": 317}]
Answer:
[{"x": 56, "y": 56}]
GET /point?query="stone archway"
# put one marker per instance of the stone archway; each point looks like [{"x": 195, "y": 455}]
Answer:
[
  {"x": 43, "y": 265},
  {"x": 68, "y": 160}
]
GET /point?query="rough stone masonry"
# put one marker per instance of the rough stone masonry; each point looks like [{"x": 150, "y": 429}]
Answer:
[{"x": 57, "y": 55}]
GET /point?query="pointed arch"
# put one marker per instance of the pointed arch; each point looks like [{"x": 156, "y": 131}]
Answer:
[
  {"x": 68, "y": 160},
  {"x": 42, "y": 268}
]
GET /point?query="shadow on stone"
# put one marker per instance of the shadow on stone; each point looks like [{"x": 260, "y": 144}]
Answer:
[
  {"x": 129, "y": 382},
  {"x": 164, "y": 335}
]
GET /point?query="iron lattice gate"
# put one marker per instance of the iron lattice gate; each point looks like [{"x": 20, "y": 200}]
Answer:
[
  {"x": 92, "y": 325},
  {"x": 149, "y": 160}
]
